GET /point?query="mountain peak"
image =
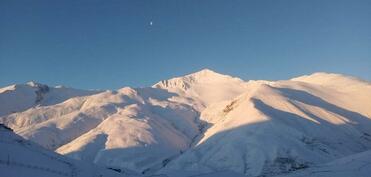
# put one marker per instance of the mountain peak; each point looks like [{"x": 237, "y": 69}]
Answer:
[
  {"x": 207, "y": 75},
  {"x": 203, "y": 76},
  {"x": 205, "y": 71}
]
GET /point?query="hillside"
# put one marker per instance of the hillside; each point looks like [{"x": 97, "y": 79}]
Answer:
[{"x": 21, "y": 158}]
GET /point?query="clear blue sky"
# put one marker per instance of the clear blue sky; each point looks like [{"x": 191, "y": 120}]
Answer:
[{"x": 110, "y": 44}]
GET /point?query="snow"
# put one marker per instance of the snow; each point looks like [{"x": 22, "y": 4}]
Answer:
[
  {"x": 22, "y": 158},
  {"x": 132, "y": 122},
  {"x": 272, "y": 129},
  {"x": 201, "y": 124},
  {"x": 358, "y": 165},
  {"x": 140, "y": 134},
  {"x": 196, "y": 87},
  {"x": 20, "y": 97}
]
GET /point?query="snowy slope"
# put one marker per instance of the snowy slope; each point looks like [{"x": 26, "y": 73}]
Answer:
[
  {"x": 207, "y": 123},
  {"x": 353, "y": 93},
  {"x": 21, "y": 158},
  {"x": 16, "y": 98},
  {"x": 357, "y": 165},
  {"x": 276, "y": 127},
  {"x": 135, "y": 128}
]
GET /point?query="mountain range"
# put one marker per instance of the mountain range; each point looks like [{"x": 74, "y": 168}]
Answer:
[{"x": 201, "y": 124}]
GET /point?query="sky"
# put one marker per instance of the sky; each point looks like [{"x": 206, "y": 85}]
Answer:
[{"x": 109, "y": 44}]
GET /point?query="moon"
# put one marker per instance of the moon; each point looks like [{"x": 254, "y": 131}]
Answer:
[{"x": 151, "y": 23}]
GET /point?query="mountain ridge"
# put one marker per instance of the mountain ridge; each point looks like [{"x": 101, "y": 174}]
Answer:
[{"x": 205, "y": 121}]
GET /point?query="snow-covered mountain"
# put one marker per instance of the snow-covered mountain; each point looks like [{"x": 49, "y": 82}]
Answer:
[
  {"x": 203, "y": 88},
  {"x": 22, "y": 158},
  {"x": 202, "y": 123},
  {"x": 112, "y": 127},
  {"x": 19, "y": 97},
  {"x": 278, "y": 127}
]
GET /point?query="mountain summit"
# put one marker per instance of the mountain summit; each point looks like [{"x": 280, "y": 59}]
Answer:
[
  {"x": 205, "y": 76},
  {"x": 197, "y": 86}
]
